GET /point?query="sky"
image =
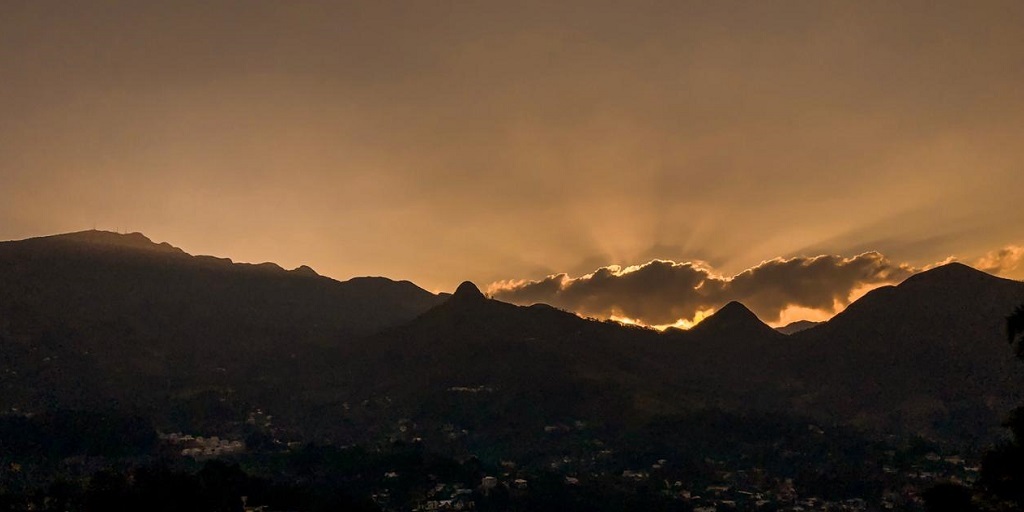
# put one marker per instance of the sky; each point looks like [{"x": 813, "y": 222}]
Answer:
[{"x": 613, "y": 158}]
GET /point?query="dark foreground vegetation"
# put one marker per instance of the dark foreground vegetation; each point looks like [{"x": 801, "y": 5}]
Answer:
[{"x": 90, "y": 461}]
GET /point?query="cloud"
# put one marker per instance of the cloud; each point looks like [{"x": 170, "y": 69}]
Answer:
[
  {"x": 822, "y": 282},
  {"x": 662, "y": 292},
  {"x": 1002, "y": 261}
]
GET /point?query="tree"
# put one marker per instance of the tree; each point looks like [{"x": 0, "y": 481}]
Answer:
[
  {"x": 1015, "y": 331},
  {"x": 1001, "y": 487},
  {"x": 1002, "y": 470},
  {"x": 1015, "y": 335}
]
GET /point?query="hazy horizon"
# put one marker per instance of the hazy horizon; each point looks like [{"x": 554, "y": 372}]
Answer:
[
  {"x": 650, "y": 295},
  {"x": 618, "y": 154}
]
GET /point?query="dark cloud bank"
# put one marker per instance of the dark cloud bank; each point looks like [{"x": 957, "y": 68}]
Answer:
[{"x": 662, "y": 292}]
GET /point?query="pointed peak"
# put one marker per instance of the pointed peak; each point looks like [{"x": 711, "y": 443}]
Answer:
[
  {"x": 734, "y": 308},
  {"x": 735, "y": 318},
  {"x": 734, "y": 313},
  {"x": 467, "y": 290}
]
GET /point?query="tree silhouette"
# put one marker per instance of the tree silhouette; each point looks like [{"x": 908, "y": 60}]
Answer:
[
  {"x": 1002, "y": 469},
  {"x": 1015, "y": 330},
  {"x": 1015, "y": 335},
  {"x": 1001, "y": 486}
]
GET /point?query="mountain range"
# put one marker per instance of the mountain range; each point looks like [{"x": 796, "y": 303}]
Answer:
[{"x": 97, "y": 319}]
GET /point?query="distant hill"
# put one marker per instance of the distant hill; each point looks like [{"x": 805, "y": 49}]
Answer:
[
  {"x": 795, "y": 327},
  {"x": 906, "y": 359},
  {"x": 734, "y": 321},
  {"x": 727, "y": 357},
  {"x": 98, "y": 319},
  {"x": 100, "y": 314},
  {"x": 929, "y": 354},
  {"x": 504, "y": 372}
]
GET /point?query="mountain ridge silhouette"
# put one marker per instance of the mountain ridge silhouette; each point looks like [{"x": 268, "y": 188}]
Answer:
[{"x": 150, "y": 326}]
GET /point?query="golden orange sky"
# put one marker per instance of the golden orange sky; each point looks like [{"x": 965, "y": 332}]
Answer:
[{"x": 497, "y": 141}]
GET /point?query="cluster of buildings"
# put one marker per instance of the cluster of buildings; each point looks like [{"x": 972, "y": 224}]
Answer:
[
  {"x": 448, "y": 497},
  {"x": 199, "y": 447}
]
